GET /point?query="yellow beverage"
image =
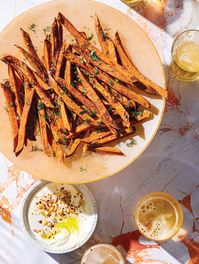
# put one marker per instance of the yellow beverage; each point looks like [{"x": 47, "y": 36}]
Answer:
[
  {"x": 185, "y": 63},
  {"x": 102, "y": 254},
  {"x": 186, "y": 56},
  {"x": 158, "y": 216}
]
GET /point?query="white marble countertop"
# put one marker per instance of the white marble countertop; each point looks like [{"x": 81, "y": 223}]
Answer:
[{"x": 169, "y": 164}]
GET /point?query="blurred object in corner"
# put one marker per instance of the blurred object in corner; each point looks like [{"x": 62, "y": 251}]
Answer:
[{"x": 152, "y": 10}]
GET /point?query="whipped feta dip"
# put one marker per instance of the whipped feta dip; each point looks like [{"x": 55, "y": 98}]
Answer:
[{"x": 61, "y": 217}]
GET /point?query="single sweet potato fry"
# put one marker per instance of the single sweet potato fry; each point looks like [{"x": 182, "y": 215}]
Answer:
[
  {"x": 65, "y": 117},
  {"x": 67, "y": 73},
  {"x": 47, "y": 54},
  {"x": 78, "y": 130},
  {"x": 108, "y": 150},
  {"x": 133, "y": 70},
  {"x": 54, "y": 41},
  {"x": 43, "y": 131},
  {"x": 95, "y": 136},
  {"x": 16, "y": 90},
  {"x": 30, "y": 47},
  {"x": 59, "y": 62},
  {"x": 111, "y": 138},
  {"x": 73, "y": 148},
  {"x": 101, "y": 35},
  {"x": 33, "y": 62},
  {"x": 112, "y": 52},
  {"x": 60, "y": 34},
  {"x": 57, "y": 148},
  {"x": 29, "y": 94},
  {"x": 10, "y": 106}
]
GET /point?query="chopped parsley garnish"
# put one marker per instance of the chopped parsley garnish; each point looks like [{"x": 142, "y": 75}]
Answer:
[
  {"x": 96, "y": 71},
  {"x": 91, "y": 113},
  {"x": 64, "y": 91},
  {"x": 118, "y": 81},
  {"x": 99, "y": 130},
  {"x": 47, "y": 118},
  {"x": 131, "y": 143},
  {"x": 83, "y": 60},
  {"x": 110, "y": 109},
  {"x": 7, "y": 85},
  {"x": 87, "y": 120},
  {"x": 46, "y": 30},
  {"x": 129, "y": 105},
  {"x": 33, "y": 27},
  {"x": 93, "y": 56},
  {"x": 56, "y": 111},
  {"x": 99, "y": 122},
  {"x": 40, "y": 106},
  {"x": 111, "y": 83},
  {"x": 6, "y": 109},
  {"x": 90, "y": 37},
  {"x": 82, "y": 169},
  {"x": 83, "y": 112},
  {"x": 62, "y": 141},
  {"x": 104, "y": 36},
  {"x": 137, "y": 113},
  {"x": 83, "y": 90},
  {"x": 74, "y": 84},
  {"x": 35, "y": 148}
]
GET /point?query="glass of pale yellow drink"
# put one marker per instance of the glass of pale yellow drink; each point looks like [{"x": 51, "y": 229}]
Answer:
[
  {"x": 158, "y": 216},
  {"x": 185, "y": 56}
]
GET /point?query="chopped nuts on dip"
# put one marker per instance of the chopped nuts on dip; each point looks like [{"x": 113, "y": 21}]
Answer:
[{"x": 61, "y": 217}]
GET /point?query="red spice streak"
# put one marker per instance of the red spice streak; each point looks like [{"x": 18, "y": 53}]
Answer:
[
  {"x": 7, "y": 206},
  {"x": 193, "y": 248},
  {"x": 183, "y": 130},
  {"x": 4, "y": 212},
  {"x": 172, "y": 102},
  {"x": 166, "y": 129},
  {"x": 186, "y": 202},
  {"x": 154, "y": 12},
  {"x": 130, "y": 242}
]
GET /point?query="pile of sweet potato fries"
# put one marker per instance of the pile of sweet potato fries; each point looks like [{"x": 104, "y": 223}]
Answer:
[{"x": 75, "y": 94}]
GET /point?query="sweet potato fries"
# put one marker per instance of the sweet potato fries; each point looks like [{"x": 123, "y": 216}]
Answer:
[{"x": 77, "y": 94}]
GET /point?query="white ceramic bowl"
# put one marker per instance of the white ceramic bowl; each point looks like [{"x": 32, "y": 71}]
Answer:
[{"x": 90, "y": 200}]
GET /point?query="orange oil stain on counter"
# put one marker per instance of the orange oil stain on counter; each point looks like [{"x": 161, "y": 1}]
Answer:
[
  {"x": 173, "y": 102},
  {"x": 192, "y": 247},
  {"x": 130, "y": 242},
  {"x": 5, "y": 212}
]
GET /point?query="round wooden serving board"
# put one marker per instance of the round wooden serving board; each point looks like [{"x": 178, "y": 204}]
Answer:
[{"x": 82, "y": 168}]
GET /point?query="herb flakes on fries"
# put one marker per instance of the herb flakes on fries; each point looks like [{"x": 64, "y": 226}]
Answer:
[{"x": 79, "y": 95}]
